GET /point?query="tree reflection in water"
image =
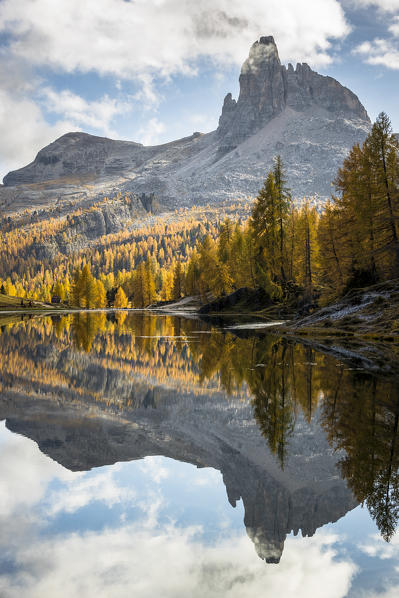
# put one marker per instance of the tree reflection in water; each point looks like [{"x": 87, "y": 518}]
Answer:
[
  {"x": 283, "y": 380},
  {"x": 359, "y": 411}
]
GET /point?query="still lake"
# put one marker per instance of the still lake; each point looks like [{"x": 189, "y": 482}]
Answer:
[{"x": 149, "y": 455}]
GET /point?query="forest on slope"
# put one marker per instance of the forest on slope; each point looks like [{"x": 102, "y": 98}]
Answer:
[
  {"x": 288, "y": 248},
  {"x": 38, "y": 258},
  {"x": 292, "y": 249}
]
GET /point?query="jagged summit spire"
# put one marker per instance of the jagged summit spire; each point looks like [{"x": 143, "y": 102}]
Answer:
[
  {"x": 267, "y": 40},
  {"x": 267, "y": 88},
  {"x": 263, "y": 56}
]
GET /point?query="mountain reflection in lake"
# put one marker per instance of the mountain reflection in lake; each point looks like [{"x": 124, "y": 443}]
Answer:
[{"x": 299, "y": 437}]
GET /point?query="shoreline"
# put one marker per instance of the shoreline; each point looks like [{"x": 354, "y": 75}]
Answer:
[{"x": 360, "y": 328}]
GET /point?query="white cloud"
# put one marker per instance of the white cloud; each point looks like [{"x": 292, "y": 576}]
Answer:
[
  {"x": 377, "y": 547},
  {"x": 202, "y": 122},
  {"x": 173, "y": 563},
  {"x": 150, "y": 133},
  {"x": 386, "y": 593},
  {"x": 22, "y": 467},
  {"x": 382, "y": 52},
  {"x": 147, "y": 95},
  {"x": 126, "y": 39},
  {"x": 83, "y": 489},
  {"x": 82, "y": 113},
  {"x": 394, "y": 27},
  {"x": 154, "y": 468},
  {"x": 24, "y": 130}
]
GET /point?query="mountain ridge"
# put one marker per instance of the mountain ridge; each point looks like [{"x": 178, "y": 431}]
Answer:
[{"x": 311, "y": 120}]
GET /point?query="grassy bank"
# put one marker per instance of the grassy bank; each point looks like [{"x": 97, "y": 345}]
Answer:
[{"x": 25, "y": 305}]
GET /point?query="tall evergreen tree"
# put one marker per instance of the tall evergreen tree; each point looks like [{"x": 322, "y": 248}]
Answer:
[
  {"x": 139, "y": 282},
  {"x": 383, "y": 148},
  {"x": 269, "y": 221},
  {"x": 150, "y": 292},
  {"x": 192, "y": 278},
  {"x": 178, "y": 281},
  {"x": 283, "y": 196},
  {"x": 120, "y": 298}
]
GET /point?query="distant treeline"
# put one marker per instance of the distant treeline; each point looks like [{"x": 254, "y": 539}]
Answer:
[{"x": 36, "y": 263}]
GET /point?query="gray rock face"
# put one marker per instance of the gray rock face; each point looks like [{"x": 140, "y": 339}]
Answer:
[
  {"x": 262, "y": 95},
  {"x": 77, "y": 154},
  {"x": 311, "y": 120},
  {"x": 267, "y": 88}
]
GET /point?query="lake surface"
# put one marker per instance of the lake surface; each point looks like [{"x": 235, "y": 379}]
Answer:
[{"x": 147, "y": 456}]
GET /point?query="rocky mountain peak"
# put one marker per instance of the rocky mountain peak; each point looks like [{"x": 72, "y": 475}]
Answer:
[
  {"x": 267, "y": 40},
  {"x": 267, "y": 88},
  {"x": 311, "y": 120},
  {"x": 262, "y": 55}
]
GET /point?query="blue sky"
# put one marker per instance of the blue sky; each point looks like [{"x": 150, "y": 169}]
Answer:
[{"x": 155, "y": 70}]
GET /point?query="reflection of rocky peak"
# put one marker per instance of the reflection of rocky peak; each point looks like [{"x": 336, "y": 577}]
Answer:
[
  {"x": 92, "y": 409},
  {"x": 267, "y": 88},
  {"x": 278, "y": 504},
  {"x": 218, "y": 433}
]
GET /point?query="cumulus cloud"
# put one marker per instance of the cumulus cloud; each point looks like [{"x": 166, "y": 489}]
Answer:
[
  {"x": 147, "y": 96},
  {"x": 164, "y": 37},
  {"x": 82, "y": 490},
  {"x": 24, "y": 129},
  {"x": 394, "y": 27},
  {"x": 380, "y": 52},
  {"x": 173, "y": 562},
  {"x": 23, "y": 466},
  {"x": 386, "y": 593},
  {"x": 95, "y": 114},
  {"x": 150, "y": 133},
  {"x": 154, "y": 468},
  {"x": 375, "y": 546}
]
